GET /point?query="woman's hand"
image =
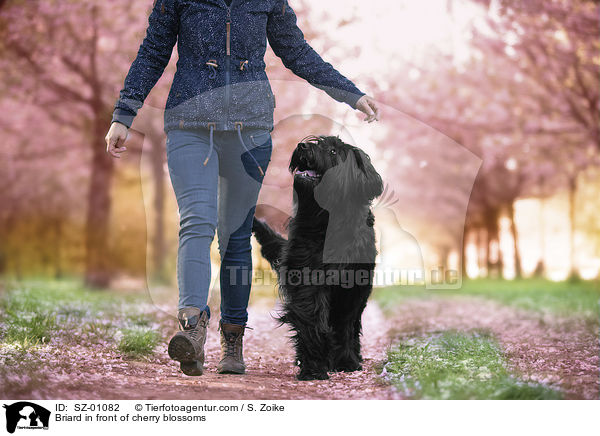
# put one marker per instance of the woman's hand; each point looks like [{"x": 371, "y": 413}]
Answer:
[
  {"x": 367, "y": 105},
  {"x": 116, "y": 136}
]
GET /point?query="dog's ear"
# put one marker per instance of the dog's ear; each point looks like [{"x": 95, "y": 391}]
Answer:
[
  {"x": 352, "y": 181},
  {"x": 372, "y": 185}
]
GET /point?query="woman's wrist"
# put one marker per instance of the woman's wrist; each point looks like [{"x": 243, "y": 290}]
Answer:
[{"x": 123, "y": 116}]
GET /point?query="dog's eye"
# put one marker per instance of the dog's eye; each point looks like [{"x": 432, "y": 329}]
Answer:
[{"x": 333, "y": 151}]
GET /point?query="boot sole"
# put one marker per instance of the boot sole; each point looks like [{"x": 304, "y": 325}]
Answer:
[
  {"x": 193, "y": 368},
  {"x": 231, "y": 371},
  {"x": 182, "y": 350}
]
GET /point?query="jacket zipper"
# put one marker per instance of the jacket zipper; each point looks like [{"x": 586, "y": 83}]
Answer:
[
  {"x": 228, "y": 63},
  {"x": 228, "y": 24}
]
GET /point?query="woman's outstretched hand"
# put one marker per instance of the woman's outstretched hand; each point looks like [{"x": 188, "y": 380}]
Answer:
[
  {"x": 367, "y": 105},
  {"x": 116, "y": 136}
]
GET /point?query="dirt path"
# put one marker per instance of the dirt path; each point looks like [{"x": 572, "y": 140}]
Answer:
[
  {"x": 559, "y": 351},
  {"x": 268, "y": 356},
  {"x": 543, "y": 348}
]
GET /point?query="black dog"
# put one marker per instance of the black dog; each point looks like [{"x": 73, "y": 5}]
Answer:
[{"x": 325, "y": 267}]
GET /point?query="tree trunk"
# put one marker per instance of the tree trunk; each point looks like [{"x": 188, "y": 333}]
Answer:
[
  {"x": 463, "y": 257},
  {"x": 479, "y": 243},
  {"x": 97, "y": 268},
  {"x": 500, "y": 262},
  {"x": 488, "y": 253},
  {"x": 572, "y": 193},
  {"x": 3, "y": 251},
  {"x": 444, "y": 254},
  {"x": 492, "y": 233},
  {"x": 515, "y": 236},
  {"x": 158, "y": 240},
  {"x": 13, "y": 250},
  {"x": 540, "y": 268},
  {"x": 58, "y": 234}
]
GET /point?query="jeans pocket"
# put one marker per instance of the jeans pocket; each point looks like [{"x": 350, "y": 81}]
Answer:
[
  {"x": 259, "y": 155},
  {"x": 260, "y": 138},
  {"x": 176, "y": 138}
]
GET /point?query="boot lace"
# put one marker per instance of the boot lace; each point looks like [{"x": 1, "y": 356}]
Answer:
[
  {"x": 230, "y": 340},
  {"x": 193, "y": 331}
]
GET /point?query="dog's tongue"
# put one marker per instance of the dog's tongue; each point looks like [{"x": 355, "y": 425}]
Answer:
[{"x": 310, "y": 173}]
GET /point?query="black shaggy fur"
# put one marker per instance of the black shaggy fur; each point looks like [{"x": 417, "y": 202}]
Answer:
[{"x": 331, "y": 241}]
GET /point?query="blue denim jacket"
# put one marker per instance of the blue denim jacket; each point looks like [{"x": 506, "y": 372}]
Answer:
[{"x": 220, "y": 78}]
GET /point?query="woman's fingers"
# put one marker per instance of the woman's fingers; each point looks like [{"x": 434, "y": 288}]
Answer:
[
  {"x": 375, "y": 110},
  {"x": 115, "y": 152},
  {"x": 367, "y": 105},
  {"x": 373, "y": 114},
  {"x": 115, "y": 138},
  {"x": 363, "y": 106},
  {"x": 112, "y": 145}
]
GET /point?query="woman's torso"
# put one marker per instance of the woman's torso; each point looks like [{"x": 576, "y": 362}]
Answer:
[{"x": 220, "y": 74}]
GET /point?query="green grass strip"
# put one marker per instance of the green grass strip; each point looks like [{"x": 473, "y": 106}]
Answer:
[
  {"x": 138, "y": 342},
  {"x": 37, "y": 312},
  {"x": 566, "y": 298},
  {"x": 458, "y": 366}
]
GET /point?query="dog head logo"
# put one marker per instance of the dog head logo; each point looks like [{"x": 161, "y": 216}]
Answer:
[{"x": 26, "y": 415}]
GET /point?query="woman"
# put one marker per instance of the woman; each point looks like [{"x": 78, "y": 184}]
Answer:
[{"x": 218, "y": 119}]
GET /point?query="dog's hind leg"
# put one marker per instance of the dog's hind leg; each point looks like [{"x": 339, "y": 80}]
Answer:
[
  {"x": 312, "y": 335},
  {"x": 312, "y": 352},
  {"x": 271, "y": 242}
]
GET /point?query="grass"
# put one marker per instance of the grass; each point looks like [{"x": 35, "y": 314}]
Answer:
[
  {"x": 38, "y": 312},
  {"x": 454, "y": 365},
  {"x": 560, "y": 298},
  {"x": 138, "y": 342},
  {"x": 29, "y": 330}
]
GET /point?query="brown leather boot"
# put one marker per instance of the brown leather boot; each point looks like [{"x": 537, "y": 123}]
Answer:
[
  {"x": 232, "y": 359},
  {"x": 187, "y": 346}
]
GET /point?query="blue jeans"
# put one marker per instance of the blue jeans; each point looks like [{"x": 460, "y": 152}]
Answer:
[{"x": 217, "y": 188}]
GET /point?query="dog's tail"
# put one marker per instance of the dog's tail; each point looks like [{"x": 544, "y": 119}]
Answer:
[{"x": 271, "y": 242}]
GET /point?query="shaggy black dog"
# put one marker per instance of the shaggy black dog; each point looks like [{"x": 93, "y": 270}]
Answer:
[{"x": 325, "y": 267}]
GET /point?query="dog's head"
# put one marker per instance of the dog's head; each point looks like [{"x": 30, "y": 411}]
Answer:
[{"x": 336, "y": 173}]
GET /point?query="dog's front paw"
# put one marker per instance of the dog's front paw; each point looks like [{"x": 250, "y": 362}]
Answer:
[{"x": 305, "y": 375}]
